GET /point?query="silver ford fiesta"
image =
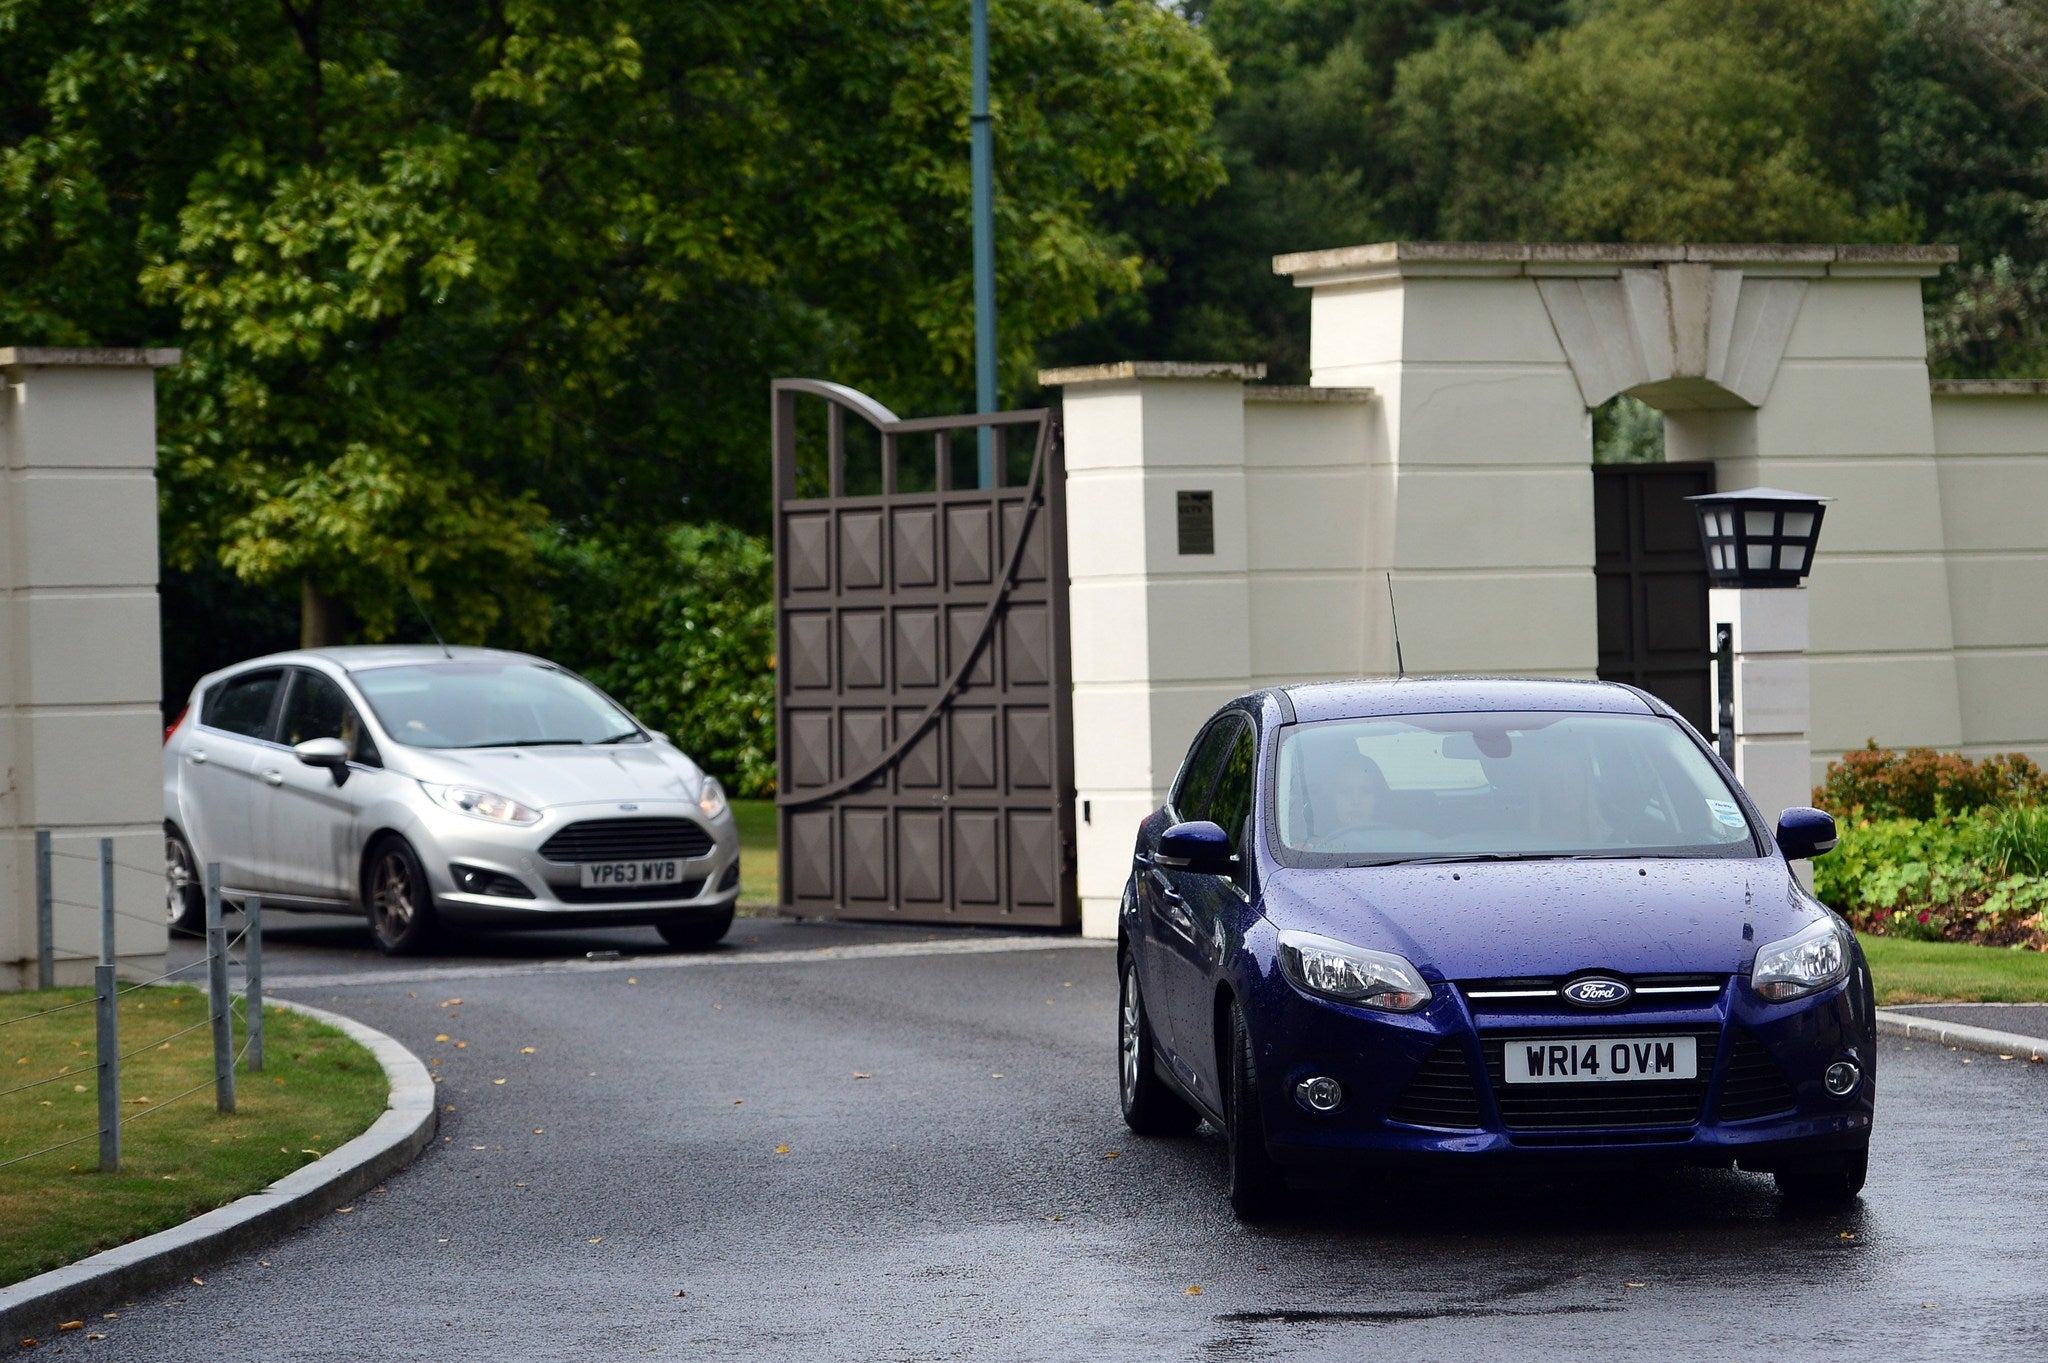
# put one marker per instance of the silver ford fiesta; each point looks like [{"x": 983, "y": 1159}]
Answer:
[{"x": 424, "y": 786}]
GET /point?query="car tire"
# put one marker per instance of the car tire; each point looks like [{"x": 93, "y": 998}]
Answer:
[
  {"x": 696, "y": 931},
  {"x": 184, "y": 889},
  {"x": 400, "y": 901},
  {"x": 1824, "y": 1180},
  {"x": 1151, "y": 1107},
  {"x": 1256, "y": 1186}
]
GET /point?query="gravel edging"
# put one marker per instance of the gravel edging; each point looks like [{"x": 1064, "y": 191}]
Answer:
[
  {"x": 35, "y": 1305},
  {"x": 1890, "y": 1022}
]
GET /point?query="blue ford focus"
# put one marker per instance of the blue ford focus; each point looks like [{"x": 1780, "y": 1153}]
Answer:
[{"x": 1489, "y": 919}]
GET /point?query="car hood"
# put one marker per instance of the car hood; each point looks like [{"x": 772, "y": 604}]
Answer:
[
  {"x": 546, "y": 776},
  {"x": 1493, "y": 920}
]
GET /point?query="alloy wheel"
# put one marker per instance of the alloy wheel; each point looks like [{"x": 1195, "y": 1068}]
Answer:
[
  {"x": 1128, "y": 1024},
  {"x": 181, "y": 877},
  {"x": 393, "y": 893}
]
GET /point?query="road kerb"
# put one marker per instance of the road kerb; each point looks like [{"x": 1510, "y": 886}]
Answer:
[
  {"x": 1961, "y": 1035},
  {"x": 33, "y": 1306}
]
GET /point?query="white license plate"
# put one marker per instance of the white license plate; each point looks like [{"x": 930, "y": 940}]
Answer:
[
  {"x": 1607, "y": 1060},
  {"x": 610, "y": 875}
]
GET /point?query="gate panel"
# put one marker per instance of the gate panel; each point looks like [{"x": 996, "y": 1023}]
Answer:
[{"x": 923, "y": 696}]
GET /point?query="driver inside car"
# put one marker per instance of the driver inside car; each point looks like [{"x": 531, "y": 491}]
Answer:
[{"x": 1354, "y": 796}]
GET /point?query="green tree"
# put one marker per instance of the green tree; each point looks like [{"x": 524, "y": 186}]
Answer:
[{"x": 444, "y": 271}]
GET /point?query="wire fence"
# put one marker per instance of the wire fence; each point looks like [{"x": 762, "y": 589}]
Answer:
[{"x": 222, "y": 1013}]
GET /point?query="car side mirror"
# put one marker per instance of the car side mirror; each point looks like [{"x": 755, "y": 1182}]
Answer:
[
  {"x": 1804, "y": 832},
  {"x": 1197, "y": 846},
  {"x": 330, "y": 753}
]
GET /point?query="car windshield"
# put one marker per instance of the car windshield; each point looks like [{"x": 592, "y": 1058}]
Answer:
[
  {"x": 481, "y": 704},
  {"x": 1481, "y": 786}
]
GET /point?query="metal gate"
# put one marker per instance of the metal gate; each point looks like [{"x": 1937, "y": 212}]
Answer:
[
  {"x": 924, "y": 743},
  {"x": 1651, "y": 575}
]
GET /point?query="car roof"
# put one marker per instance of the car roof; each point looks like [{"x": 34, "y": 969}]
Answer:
[
  {"x": 365, "y": 657},
  {"x": 1366, "y": 696}
]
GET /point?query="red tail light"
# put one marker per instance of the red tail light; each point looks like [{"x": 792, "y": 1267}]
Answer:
[{"x": 176, "y": 722}]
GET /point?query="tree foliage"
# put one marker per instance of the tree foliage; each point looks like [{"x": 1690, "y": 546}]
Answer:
[{"x": 443, "y": 272}]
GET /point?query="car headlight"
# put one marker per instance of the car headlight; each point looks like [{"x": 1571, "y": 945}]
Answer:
[
  {"x": 480, "y": 804},
  {"x": 1337, "y": 970},
  {"x": 711, "y": 799},
  {"x": 1804, "y": 963}
]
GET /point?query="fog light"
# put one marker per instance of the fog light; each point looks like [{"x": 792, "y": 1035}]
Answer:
[
  {"x": 1322, "y": 1094},
  {"x": 1842, "y": 1078}
]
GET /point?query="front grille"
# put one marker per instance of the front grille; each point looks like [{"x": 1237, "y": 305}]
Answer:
[
  {"x": 1440, "y": 1093},
  {"x": 1539, "y": 992},
  {"x": 630, "y": 894},
  {"x": 1620, "y": 1105},
  {"x": 1755, "y": 1085},
  {"x": 627, "y": 840}
]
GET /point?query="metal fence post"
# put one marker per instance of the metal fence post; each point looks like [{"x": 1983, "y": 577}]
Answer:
[
  {"x": 217, "y": 987},
  {"x": 107, "y": 1020},
  {"x": 46, "y": 927},
  {"x": 252, "y": 983}
]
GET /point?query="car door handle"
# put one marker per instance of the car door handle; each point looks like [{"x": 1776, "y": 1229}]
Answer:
[
  {"x": 197, "y": 757},
  {"x": 273, "y": 777}
]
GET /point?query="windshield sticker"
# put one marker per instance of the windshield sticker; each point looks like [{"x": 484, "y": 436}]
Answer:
[{"x": 1726, "y": 812}]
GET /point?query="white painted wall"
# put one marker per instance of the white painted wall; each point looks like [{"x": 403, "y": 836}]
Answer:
[
  {"x": 1447, "y": 440},
  {"x": 80, "y": 727}
]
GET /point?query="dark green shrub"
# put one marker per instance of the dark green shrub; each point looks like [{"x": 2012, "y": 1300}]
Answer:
[
  {"x": 680, "y": 627},
  {"x": 1878, "y": 783}
]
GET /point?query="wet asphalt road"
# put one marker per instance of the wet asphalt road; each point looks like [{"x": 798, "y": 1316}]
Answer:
[{"x": 621, "y": 1193}]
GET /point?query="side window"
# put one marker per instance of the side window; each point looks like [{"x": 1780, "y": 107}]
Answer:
[
  {"x": 241, "y": 705},
  {"x": 316, "y": 708},
  {"x": 1190, "y": 798},
  {"x": 1231, "y": 805}
]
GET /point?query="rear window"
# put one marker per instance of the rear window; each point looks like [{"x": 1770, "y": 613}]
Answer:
[{"x": 241, "y": 705}]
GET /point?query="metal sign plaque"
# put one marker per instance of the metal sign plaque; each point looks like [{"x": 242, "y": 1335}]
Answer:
[{"x": 1196, "y": 517}]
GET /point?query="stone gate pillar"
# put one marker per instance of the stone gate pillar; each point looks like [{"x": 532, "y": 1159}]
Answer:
[{"x": 80, "y": 723}]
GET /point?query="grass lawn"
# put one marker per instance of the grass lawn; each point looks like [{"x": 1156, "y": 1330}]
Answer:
[
  {"x": 1934, "y": 972},
  {"x": 759, "y": 889},
  {"x": 178, "y": 1159}
]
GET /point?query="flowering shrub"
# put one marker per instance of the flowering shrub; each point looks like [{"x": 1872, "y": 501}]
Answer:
[
  {"x": 1957, "y": 877},
  {"x": 1919, "y": 783}
]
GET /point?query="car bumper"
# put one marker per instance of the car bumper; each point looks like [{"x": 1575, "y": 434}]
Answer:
[
  {"x": 550, "y": 891},
  {"x": 1759, "y": 1098}
]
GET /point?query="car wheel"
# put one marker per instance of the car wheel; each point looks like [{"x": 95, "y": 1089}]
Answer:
[
  {"x": 696, "y": 931},
  {"x": 1151, "y": 1107},
  {"x": 184, "y": 890},
  {"x": 401, "y": 905},
  {"x": 1825, "y": 1180},
  {"x": 1256, "y": 1186}
]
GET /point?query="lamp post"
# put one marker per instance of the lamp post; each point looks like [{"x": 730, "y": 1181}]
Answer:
[
  {"x": 1759, "y": 546},
  {"x": 981, "y": 153}
]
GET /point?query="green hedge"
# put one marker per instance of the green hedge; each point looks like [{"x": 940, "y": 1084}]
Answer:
[{"x": 680, "y": 627}]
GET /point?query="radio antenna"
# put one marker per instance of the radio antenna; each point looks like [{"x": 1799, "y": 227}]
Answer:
[
  {"x": 451, "y": 657},
  {"x": 1400, "y": 668}
]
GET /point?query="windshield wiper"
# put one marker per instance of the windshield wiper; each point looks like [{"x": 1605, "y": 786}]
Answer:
[
  {"x": 1482, "y": 856},
  {"x": 531, "y": 743},
  {"x": 620, "y": 738}
]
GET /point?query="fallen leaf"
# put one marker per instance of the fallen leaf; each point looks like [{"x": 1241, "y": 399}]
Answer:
[
  {"x": 781, "y": 1149},
  {"x": 596, "y": 1240},
  {"x": 441, "y": 1036},
  {"x": 29, "y": 1341},
  {"x": 1112, "y": 1154},
  {"x": 95, "y": 1336},
  {"x": 343, "y": 1211},
  {"x": 478, "y": 1147},
  {"x": 2001, "y": 1057},
  {"x": 72, "y": 1325},
  {"x": 737, "y": 1101},
  {"x": 526, "y": 1050},
  {"x": 681, "y": 1293},
  {"x": 1195, "y": 1291},
  {"x": 462, "y": 1045},
  {"x": 995, "y": 1076},
  {"x": 1848, "y": 1235},
  {"x": 1055, "y": 1218},
  {"x": 1631, "y": 1284},
  {"x": 449, "y": 1108},
  {"x": 497, "y": 1081},
  {"x": 450, "y": 1003},
  {"x": 632, "y": 979},
  {"x": 539, "y": 1130},
  {"x": 861, "y": 1074},
  {"x": 200, "y": 1281}
]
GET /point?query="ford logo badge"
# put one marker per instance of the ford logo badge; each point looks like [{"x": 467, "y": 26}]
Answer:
[{"x": 1596, "y": 991}]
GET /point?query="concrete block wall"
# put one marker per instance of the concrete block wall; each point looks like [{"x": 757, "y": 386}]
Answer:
[{"x": 80, "y": 726}]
